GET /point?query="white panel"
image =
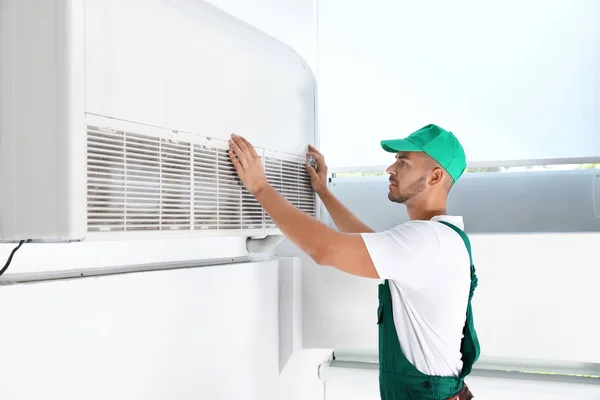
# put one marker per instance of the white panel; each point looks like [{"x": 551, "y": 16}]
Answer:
[
  {"x": 42, "y": 131},
  {"x": 290, "y": 309},
  {"x": 291, "y": 21},
  {"x": 512, "y": 79},
  {"x": 196, "y": 333},
  {"x": 187, "y": 66}
]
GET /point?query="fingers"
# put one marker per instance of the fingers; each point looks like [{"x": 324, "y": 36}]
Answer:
[
  {"x": 236, "y": 144},
  {"x": 250, "y": 147},
  {"x": 243, "y": 149},
  {"x": 311, "y": 171},
  {"x": 234, "y": 160},
  {"x": 314, "y": 150},
  {"x": 315, "y": 155},
  {"x": 321, "y": 166},
  {"x": 241, "y": 143}
]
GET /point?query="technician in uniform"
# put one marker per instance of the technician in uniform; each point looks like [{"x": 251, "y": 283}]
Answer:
[{"x": 427, "y": 339}]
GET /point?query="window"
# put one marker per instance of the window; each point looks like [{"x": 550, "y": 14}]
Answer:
[{"x": 514, "y": 80}]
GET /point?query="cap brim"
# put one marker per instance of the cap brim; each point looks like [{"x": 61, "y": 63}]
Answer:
[{"x": 396, "y": 145}]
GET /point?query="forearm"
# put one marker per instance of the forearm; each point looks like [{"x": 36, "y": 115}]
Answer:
[
  {"x": 306, "y": 232},
  {"x": 342, "y": 217},
  {"x": 324, "y": 245}
]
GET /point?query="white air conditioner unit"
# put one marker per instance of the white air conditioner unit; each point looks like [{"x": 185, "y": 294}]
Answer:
[{"x": 115, "y": 116}]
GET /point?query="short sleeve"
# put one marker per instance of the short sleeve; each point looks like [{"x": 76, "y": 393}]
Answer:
[{"x": 406, "y": 254}]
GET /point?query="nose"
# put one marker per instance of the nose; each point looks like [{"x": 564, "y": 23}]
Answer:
[{"x": 390, "y": 170}]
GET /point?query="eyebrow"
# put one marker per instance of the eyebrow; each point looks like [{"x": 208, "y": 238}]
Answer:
[{"x": 401, "y": 157}]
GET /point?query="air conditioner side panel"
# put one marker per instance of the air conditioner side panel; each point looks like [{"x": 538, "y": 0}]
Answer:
[{"x": 41, "y": 120}]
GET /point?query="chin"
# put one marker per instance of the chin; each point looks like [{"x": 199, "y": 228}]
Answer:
[
  {"x": 396, "y": 198},
  {"x": 393, "y": 198}
]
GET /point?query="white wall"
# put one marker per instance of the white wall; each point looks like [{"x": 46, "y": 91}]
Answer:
[{"x": 193, "y": 333}]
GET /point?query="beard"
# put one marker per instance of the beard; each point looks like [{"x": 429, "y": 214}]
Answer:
[{"x": 411, "y": 191}]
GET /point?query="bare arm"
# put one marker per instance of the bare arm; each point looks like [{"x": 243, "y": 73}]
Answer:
[
  {"x": 342, "y": 217},
  {"x": 346, "y": 252}
]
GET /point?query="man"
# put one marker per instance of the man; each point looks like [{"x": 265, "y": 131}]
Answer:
[{"x": 427, "y": 341}]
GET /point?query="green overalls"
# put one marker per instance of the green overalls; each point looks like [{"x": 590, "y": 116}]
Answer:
[{"x": 398, "y": 378}]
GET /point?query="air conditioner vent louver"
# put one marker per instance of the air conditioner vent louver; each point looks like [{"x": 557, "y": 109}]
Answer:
[
  {"x": 140, "y": 182},
  {"x": 291, "y": 180}
]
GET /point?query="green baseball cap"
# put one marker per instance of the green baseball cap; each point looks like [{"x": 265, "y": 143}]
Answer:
[{"x": 438, "y": 143}]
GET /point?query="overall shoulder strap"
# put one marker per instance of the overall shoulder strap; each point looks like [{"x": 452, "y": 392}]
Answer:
[
  {"x": 465, "y": 238},
  {"x": 470, "y": 343},
  {"x": 463, "y": 235}
]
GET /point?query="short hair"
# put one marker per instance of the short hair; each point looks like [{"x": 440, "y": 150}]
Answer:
[{"x": 448, "y": 181}]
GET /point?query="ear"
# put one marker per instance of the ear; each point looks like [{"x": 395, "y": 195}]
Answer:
[{"x": 436, "y": 176}]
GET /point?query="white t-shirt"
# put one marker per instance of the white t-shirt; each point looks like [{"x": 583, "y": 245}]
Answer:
[{"x": 427, "y": 265}]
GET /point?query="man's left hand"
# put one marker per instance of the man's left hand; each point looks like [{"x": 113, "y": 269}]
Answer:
[{"x": 247, "y": 163}]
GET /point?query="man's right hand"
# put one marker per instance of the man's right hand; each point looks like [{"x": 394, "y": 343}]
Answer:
[
  {"x": 318, "y": 177},
  {"x": 342, "y": 217}
]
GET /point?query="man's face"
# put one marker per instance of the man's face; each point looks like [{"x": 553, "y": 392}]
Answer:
[{"x": 408, "y": 176}]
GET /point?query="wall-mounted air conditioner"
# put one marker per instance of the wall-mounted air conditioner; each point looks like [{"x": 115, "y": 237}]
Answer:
[{"x": 115, "y": 116}]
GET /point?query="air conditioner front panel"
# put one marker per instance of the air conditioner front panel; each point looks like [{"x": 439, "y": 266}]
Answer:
[
  {"x": 187, "y": 66},
  {"x": 149, "y": 180}
]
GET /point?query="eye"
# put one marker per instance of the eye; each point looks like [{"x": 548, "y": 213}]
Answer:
[{"x": 403, "y": 163}]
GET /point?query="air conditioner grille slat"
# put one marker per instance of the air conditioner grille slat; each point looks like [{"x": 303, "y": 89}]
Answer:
[{"x": 139, "y": 182}]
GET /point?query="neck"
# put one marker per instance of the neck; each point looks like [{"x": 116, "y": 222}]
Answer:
[{"x": 426, "y": 210}]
